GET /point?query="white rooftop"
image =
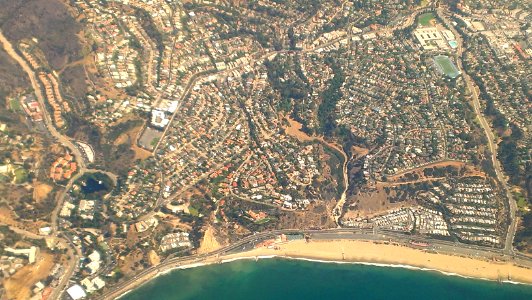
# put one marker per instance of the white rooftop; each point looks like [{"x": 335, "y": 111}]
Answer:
[{"x": 76, "y": 292}]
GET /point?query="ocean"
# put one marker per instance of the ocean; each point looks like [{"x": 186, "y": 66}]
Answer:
[{"x": 298, "y": 279}]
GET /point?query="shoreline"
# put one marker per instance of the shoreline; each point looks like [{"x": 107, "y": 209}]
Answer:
[
  {"x": 371, "y": 254},
  {"x": 364, "y": 263},
  {"x": 408, "y": 267}
]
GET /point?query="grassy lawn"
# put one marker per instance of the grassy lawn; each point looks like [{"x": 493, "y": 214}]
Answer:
[
  {"x": 14, "y": 104},
  {"x": 21, "y": 175},
  {"x": 262, "y": 221},
  {"x": 425, "y": 19},
  {"x": 522, "y": 203},
  {"x": 193, "y": 211},
  {"x": 4, "y": 179},
  {"x": 154, "y": 142}
]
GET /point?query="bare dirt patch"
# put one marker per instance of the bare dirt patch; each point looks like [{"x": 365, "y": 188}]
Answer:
[
  {"x": 140, "y": 153},
  {"x": 174, "y": 221},
  {"x": 153, "y": 258},
  {"x": 318, "y": 215},
  {"x": 130, "y": 137},
  {"x": 41, "y": 191},
  {"x": 131, "y": 262},
  {"x": 367, "y": 203},
  {"x": 418, "y": 174},
  {"x": 439, "y": 164},
  {"x": 295, "y": 130},
  {"x": 7, "y": 217},
  {"x": 20, "y": 284},
  {"x": 359, "y": 152},
  {"x": 88, "y": 59},
  {"x": 209, "y": 242}
]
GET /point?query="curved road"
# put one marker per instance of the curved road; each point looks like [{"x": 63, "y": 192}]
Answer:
[
  {"x": 512, "y": 228},
  {"x": 335, "y": 233},
  {"x": 246, "y": 243},
  {"x": 73, "y": 251}
]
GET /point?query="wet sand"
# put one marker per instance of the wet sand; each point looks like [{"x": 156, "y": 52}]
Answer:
[{"x": 369, "y": 252}]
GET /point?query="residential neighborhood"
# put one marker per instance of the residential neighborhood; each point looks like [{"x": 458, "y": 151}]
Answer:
[{"x": 174, "y": 132}]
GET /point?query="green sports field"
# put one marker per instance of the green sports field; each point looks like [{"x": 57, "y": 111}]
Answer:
[
  {"x": 424, "y": 19},
  {"x": 446, "y": 66}
]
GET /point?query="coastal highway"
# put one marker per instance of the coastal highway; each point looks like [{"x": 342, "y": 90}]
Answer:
[{"x": 247, "y": 243}]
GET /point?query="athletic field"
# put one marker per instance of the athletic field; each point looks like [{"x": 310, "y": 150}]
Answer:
[
  {"x": 425, "y": 19},
  {"x": 446, "y": 66}
]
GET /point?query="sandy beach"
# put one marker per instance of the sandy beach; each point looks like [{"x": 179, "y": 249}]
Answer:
[
  {"x": 369, "y": 252},
  {"x": 363, "y": 252}
]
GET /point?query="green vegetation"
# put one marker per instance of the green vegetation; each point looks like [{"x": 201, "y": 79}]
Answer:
[
  {"x": 425, "y": 19},
  {"x": 263, "y": 221},
  {"x": 21, "y": 175},
  {"x": 522, "y": 203},
  {"x": 14, "y": 105},
  {"x": 193, "y": 211},
  {"x": 327, "y": 108},
  {"x": 286, "y": 77},
  {"x": 4, "y": 179},
  {"x": 523, "y": 238},
  {"x": 336, "y": 163},
  {"x": 438, "y": 172},
  {"x": 117, "y": 274},
  {"x": 154, "y": 142},
  {"x": 148, "y": 25},
  {"x": 513, "y": 156},
  {"x": 509, "y": 156},
  {"x": 446, "y": 66},
  {"x": 134, "y": 89},
  {"x": 9, "y": 236}
]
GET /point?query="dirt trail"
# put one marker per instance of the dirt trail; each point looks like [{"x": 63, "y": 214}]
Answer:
[{"x": 84, "y": 61}]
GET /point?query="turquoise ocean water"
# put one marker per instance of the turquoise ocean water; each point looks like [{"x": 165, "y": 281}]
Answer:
[{"x": 297, "y": 279}]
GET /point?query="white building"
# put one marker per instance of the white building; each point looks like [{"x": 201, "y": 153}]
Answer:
[
  {"x": 430, "y": 38},
  {"x": 76, "y": 292},
  {"x": 158, "y": 118}
]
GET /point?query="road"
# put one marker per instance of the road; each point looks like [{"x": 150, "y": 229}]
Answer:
[
  {"x": 337, "y": 210},
  {"x": 74, "y": 252},
  {"x": 68, "y": 143},
  {"x": 436, "y": 245},
  {"x": 512, "y": 228},
  {"x": 247, "y": 243},
  {"x": 64, "y": 140}
]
